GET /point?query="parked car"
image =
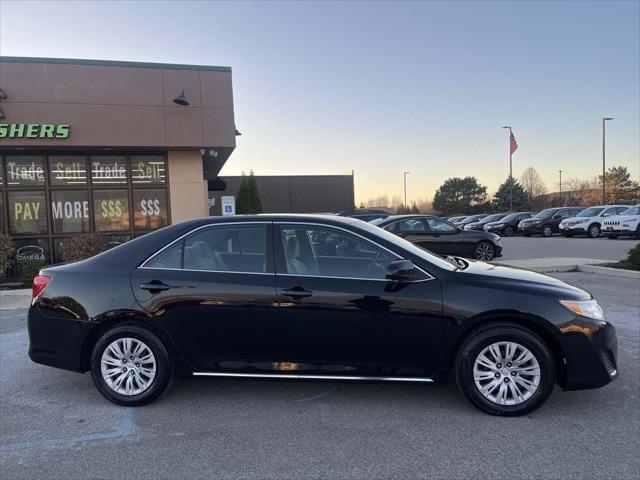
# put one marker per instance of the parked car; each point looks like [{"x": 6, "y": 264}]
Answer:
[
  {"x": 626, "y": 223},
  {"x": 508, "y": 225},
  {"x": 547, "y": 221},
  {"x": 470, "y": 219},
  {"x": 365, "y": 214},
  {"x": 441, "y": 237},
  {"x": 479, "y": 225},
  {"x": 455, "y": 219},
  {"x": 314, "y": 297},
  {"x": 589, "y": 221}
]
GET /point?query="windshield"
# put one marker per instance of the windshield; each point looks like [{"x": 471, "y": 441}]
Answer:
[
  {"x": 493, "y": 218},
  {"x": 406, "y": 245},
  {"x": 631, "y": 211},
  {"x": 377, "y": 221},
  {"x": 590, "y": 212},
  {"x": 510, "y": 217},
  {"x": 546, "y": 213}
]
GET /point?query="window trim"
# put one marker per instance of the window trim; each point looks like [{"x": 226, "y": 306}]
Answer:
[
  {"x": 398, "y": 256},
  {"x": 213, "y": 225}
]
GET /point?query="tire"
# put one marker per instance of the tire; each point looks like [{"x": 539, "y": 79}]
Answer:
[
  {"x": 594, "y": 230},
  {"x": 509, "y": 231},
  {"x": 547, "y": 231},
  {"x": 160, "y": 365},
  {"x": 484, "y": 251},
  {"x": 533, "y": 396}
]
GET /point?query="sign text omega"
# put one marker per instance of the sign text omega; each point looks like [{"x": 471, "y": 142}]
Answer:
[{"x": 34, "y": 130}]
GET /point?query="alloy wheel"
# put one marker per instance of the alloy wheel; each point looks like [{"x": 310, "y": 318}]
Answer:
[
  {"x": 128, "y": 366},
  {"x": 506, "y": 373},
  {"x": 484, "y": 252},
  {"x": 547, "y": 231},
  {"x": 594, "y": 231}
]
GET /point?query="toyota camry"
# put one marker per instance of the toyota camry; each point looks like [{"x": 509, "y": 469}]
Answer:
[{"x": 320, "y": 298}]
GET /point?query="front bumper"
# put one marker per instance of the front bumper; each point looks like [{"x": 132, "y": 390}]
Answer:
[
  {"x": 591, "y": 354},
  {"x": 527, "y": 228},
  {"x": 575, "y": 229}
]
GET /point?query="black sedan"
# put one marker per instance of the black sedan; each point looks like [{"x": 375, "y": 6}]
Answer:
[
  {"x": 507, "y": 225},
  {"x": 441, "y": 237},
  {"x": 314, "y": 297},
  {"x": 479, "y": 225}
]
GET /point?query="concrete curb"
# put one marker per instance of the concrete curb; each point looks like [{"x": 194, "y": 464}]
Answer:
[{"x": 614, "y": 272}]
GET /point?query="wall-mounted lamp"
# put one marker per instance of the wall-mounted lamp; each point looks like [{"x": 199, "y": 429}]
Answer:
[{"x": 181, "y": 99}]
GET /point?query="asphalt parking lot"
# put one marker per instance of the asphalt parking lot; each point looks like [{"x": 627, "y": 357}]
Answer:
[
  {"x": 55, "y": 424},
  {"x": 516, "y": 248}
]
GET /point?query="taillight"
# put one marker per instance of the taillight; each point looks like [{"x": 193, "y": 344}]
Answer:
[{"x": 39, "y": 284}]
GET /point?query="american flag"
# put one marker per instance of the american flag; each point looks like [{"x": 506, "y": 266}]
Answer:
[{"x": 514, "y": 144}]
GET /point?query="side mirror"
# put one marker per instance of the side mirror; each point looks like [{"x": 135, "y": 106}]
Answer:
[{"x": 401, "y": 270}]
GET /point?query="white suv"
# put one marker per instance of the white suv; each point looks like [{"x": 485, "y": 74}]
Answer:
[
  {"x": 589, "y": 221},
  {"x": 626, "y": 223}
]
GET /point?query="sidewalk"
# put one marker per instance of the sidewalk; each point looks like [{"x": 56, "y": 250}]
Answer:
[{"x": 14, "y": 299}]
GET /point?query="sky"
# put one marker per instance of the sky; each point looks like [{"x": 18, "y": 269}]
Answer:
[{"x": 384, "y": 87}]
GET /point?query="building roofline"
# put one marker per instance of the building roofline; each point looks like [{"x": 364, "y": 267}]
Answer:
[{"x": 113, "y": 63}]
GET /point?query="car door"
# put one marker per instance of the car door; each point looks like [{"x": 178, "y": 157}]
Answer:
[
  {"x": 446, "y": 239},
  {"x": 416, "y": 230},
  {"x": 214, "y": 292},
  {"x": 339, "y": 315}
]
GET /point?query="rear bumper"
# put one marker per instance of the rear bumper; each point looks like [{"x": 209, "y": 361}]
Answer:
[
  {"x": 56, "y": 342},
  {"x": 591, "y": 353}
]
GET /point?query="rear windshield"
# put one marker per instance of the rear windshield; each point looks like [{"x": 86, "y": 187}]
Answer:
[
  {"x": 493, "y": 218},
  {"x": 511, "y": 216}
]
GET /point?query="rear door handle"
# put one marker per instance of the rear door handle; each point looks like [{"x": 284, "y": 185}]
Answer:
[
  {"x": 296, "y": 292},
  {"x": 155, "y": 286}
]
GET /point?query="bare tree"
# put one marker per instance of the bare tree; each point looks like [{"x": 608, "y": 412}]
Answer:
[
  {"x": 379, "y": 201},
  {"x": 534, "y": 186}
]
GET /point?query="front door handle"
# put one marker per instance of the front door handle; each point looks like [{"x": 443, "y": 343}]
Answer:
[
  {"x": 296, "y": 293},
  {"x": 155, "y": 286}
]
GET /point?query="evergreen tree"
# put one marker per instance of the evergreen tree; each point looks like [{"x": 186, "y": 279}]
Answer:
[
  {"x": 459, "y": 195},
  {"x": 255, "y": 204},
  {"x": 243, "y": 202},
  {"x": 620, "y": 187},
  {"x": 500, "y": 202}
]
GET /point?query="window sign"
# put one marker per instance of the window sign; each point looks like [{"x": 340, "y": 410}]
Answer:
[
  {"x": 228, "y": 204},
  {"x": 150, "y": 209},
  {"x": 70, "y": 211},
  {"x": 67, "y": 170},
  {"x": 27, "y": 213},
  {"x": 111, "y": 210},
  {"x": 24, "y": 170},
  {"x": 148, "y": 169},
  {"x": 33, "y": 250},
  {"x": 108, "y": 169}
]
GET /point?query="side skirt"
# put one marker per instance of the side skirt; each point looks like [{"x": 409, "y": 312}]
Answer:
[{"x": 314, "y": 377}]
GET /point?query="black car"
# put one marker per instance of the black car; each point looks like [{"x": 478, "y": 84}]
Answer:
[
  {"x": 314, "y": 297},
  {"x": 441, "y": 237},
  {"x": 546, "y": 222},
  {"x": 508, "y": 224},
  {"x": 479, "y": 224},
  {"x": 365, "y": 214}
]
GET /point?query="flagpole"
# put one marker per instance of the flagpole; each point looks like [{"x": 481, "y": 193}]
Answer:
[{"x": 510, "y": 172}]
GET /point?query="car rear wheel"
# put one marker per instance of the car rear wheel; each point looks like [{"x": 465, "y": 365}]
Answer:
[
  {"x": 484, "y": 251},
  {"x": 547, "y": 231},
  {"x": 509, "y": 231},
  {"x": 505, "y": 369},
  {"x": 130, "y": 366},
  {"x": 594, "y": 230}
]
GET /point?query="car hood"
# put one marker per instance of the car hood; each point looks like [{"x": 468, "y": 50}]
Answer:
[
  {"x": 576, "y": 219},
  {"x": 533, "y": 220},
  {"x": 493, "y": 224},
  {"x": 514, "y": 277}
]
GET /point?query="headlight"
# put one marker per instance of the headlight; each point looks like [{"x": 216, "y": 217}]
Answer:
[{"x": 584, "y": 308}]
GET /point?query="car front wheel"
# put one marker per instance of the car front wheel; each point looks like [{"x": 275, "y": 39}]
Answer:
[
  {"x": 547, "y": 231},
  {"x": 594, "y": 230},
  {"x": 130, "y": 366},
  {"x": 508, "y": 232},
  {"x": 484, "y": 251},
  {"x": 505, "y": 369}
]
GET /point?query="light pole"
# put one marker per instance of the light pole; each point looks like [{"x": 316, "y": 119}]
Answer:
[
  {"x": 604, "y": 171},
  {"x": 560, "y": 171},
  {"x": 405, "y": 190},
  {"x": 510, "y": 171}
]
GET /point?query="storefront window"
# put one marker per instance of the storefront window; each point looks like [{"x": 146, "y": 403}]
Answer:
[
  {"x": 32, "y": 250},
  {"x": 70, "y": 211},
  {"x": 111, "y": 210},
  {"x": 27, "y": 213},
  {"x": 1, "y": 211},
  {"x": 150, "y": 209},
  {"x": 111, "y": 241},
  {"x": 24, "y": 170},
  {"x": 1, "y": 173},
  {"x": 148, "y": 169},
  {"x": 67, "y": 170},
  {"x": 108, "y": 169}
]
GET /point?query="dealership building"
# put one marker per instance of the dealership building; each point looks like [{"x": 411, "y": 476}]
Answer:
[{"x": 113, "y": 148}]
